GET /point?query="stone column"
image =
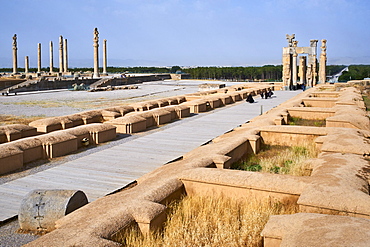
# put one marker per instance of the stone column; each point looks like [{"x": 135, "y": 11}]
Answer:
[
  {"x": 65, "y": 56},
  {"x": 104, "y": 56},
  {"x": 286, "y": 68},
  {"x": 314, "y": 61},
  {"x": 39, "y": 58},
  {"x": 61, "y": 54},
  {"x": 26, "y": 65},
  {"x": 294, "y": 71},
  {"x": 51, "y": 57},
  {"x": 96, "y": 52},
  {"x": 15, "y": 57},
  {"x": 322, "y": 67},
  {"x": 302, "y": 69}
]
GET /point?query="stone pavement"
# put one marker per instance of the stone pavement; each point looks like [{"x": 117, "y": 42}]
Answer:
[{"x": 111, "y": 169}]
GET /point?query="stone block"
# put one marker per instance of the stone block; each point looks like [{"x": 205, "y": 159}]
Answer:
[
  {"x": 161, "y": 116},
  {"x": 319, "y": 102},
  {"x": 47, "y": 125},
  {"x": 93, "y": 116},
  {"x": 109, "y": 115},
  {"x": 58, "y": 144},
  {"x": 129, "y": 124},
  {"x": 31, "y": 147},
  {"x": 225, "y": 99},
  {"x": 11, "y": 158},
  {"x": 311, "y": 112},
  {"x": 196, "y": 106}
]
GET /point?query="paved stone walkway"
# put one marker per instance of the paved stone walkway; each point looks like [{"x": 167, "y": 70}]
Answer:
[{"x": 108, "y": 170}]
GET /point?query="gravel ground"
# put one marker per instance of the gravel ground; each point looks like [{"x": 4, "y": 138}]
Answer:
[{"x": 63, "y": 102}]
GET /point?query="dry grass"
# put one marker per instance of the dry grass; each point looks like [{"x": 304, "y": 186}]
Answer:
[
  {"x": 12, "y": 119},
  {"x": 209, "y": 221},
  {"x": 282, "y": 160},
  {"x": 306, "y": 122}
]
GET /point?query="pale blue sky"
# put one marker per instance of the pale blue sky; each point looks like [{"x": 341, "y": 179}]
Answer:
[{"x": 184, "y": 32}]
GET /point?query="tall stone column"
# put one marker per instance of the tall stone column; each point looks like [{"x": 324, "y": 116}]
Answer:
[
  {"x": 322, "y": 66},
  {"x": 104, "y": 56},
  {"x": 15, "y": 56},
  {"x": 313, "y": 61},
  {"x": 39, "y": 58},
  {"x": 26, "y": 65},
  {"x": 61, "y": 54},
  {"x": 286, "y": 68},
  {"x": 302, "y": 69},
  {"x": 96, "y": 52},
  {"x": 294, "y": 66},
  {"x": 51, "y": 57},
  {"x": 65, "y": 55}
]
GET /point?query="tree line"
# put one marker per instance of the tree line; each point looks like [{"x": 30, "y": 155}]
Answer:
[
  {"x": 266, "y": 72},
  {"x": 355, "y": 72}
]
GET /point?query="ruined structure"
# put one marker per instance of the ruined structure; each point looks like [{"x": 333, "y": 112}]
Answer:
[
  {"x": 39, "y": 58},
  {"x": 96, "y": 52},
  {"x": 51, "y": 57},
  {"x": 15, "y": 56},
  {"x": 61, "y": 63},
  {"x": 104, "y": 56},
  {"x": 65, "y": 56},
  {"x": 26, "y": 64},
  {"x": 307, "y": 67}
]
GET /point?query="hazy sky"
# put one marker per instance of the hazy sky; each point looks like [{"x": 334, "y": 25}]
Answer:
[{"x": 184, "y": 32}]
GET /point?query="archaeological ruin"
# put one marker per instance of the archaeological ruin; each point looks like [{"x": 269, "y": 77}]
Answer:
[{"x": 332, "y": 201}]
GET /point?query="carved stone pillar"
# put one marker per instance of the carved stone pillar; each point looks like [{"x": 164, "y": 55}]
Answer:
[
  {"x": 313, "y": 61},
  {"x": 26, "y": 65},
  {"x": 39, "y": 58},
  {"x": 65, "y": 56},
  {"x": 15, "y": 56},
  {"x": 61, "y": 54},
  {"x": 294, "y": 70},
  {"x": 96, "y": 52},
  {"x": 302, "y": 69},
  {"x": 286, "y": 68},
  {"x": 322, "y": 68},
  {"x": 104, "y": 56},
  {"x": 51, "y": 57}
]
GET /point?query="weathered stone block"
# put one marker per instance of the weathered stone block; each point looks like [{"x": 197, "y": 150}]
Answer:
[{"x": 11, "y": 158}]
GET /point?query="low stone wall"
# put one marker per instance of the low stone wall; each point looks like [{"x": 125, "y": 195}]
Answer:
[
  {"x": 338, "y": 184},
  {"x": 48, "y": 146},
  {"x": 13, "y": 132}
]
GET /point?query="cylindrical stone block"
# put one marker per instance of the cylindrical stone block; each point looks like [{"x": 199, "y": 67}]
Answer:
[{"x": 40, "y": 209}]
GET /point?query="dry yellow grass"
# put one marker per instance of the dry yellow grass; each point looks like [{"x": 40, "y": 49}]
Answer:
[
  {"x": 209, "y": 221},
  {"x": 12, "y": 119},
  {"x": 293, "y": 160}
]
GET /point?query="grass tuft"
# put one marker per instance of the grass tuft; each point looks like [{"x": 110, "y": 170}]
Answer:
[
  {"x": 12, "y": 119},
  {"x": 306, "y": 122},
  {"x": 211, "y": 221},
  {"x": 281, "y": 160}
]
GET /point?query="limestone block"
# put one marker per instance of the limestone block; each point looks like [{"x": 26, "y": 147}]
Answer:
[
  {"x": 123, "y": 110},
  {"x": 290, "y": 135},
  {"x": 11, "y": 158},
  {"x": 161, "y": 116},
  {"x": 311, "y": 112},
  {"x": 162, "y": 102},
  {"x": 242, "y": 184},
  {"x": 225, "y": 99},
  {"x": 213, "y": 101},
  {"x": 172, "y": 100},
  {"x": 109, "y": 115},
  {"x": 3, "y": 137},
  {"x": 65, "y": 121},
  {"x": 58, "y": 144},
  {"x": 129, "y": 124},
  {"x": 47, "y": 125},
  {"x": 178, "y": 111},
  {"x": 147, "y": 115},
  {"x": 76, "y": 119},
  {"x": 319, "y": 102},
  {"x": 31, "y": 147},
  {"x": 93, "y": 116},
  {"x": 141, "y": 106},
  {"x": 348, "y": 121},
  {"x": 296, "y": 230},
  {"x": 235, "y": 96},
  {"x": 100, "y": 133},
  {"x": 16, "y": 131},
  {"x": 196, "y": 106}
]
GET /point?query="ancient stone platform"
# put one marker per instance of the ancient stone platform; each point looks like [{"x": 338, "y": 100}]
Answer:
[{"x": 111, "y": 169}]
